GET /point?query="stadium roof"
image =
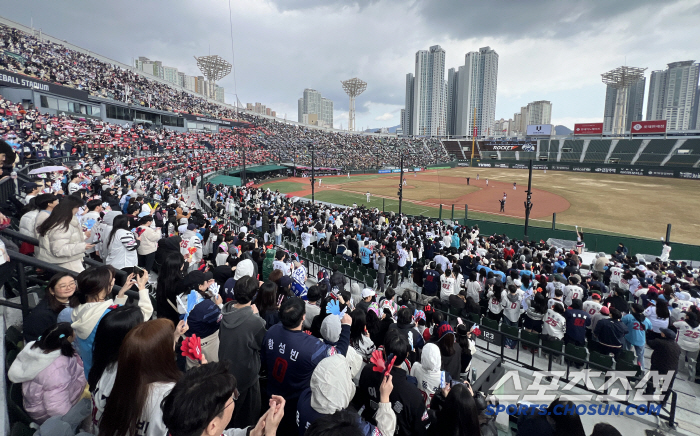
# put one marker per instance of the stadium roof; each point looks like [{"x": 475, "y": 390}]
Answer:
[
  {"x": 226, "y": 180},
  {"x": 260, "y": 169}
]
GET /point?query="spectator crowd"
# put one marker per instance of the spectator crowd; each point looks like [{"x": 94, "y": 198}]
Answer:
[{"x": 198, "y": 321}]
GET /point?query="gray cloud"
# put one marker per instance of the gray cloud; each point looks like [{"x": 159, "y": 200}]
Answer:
[{"x": 284, "y": 46}]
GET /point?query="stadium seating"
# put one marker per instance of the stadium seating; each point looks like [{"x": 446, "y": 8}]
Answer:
[
  {"x": 655, "y": 152},
  {"x": 625, "y": 150},
  {"x": 597, "y": 151},
  {"x": 686, "y": 160},
  {"x": 571, "y": 150}
]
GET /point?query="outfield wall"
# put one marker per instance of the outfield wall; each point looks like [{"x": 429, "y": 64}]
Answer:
[{"x": 632, "y": 170}]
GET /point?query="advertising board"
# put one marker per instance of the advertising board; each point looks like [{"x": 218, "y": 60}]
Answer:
[
  {"x": 539, "y": 130},
  {"x": 588, "y": 129},
  {"x": 655, "y": 126}
]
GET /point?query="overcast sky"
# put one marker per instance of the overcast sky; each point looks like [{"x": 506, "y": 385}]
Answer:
[{"x": 549, "y": 50}]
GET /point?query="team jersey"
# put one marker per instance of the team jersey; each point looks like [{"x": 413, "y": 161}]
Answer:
[
  {"x": 447, "y": 285},
  {"x": 512, "y": 305},
  {"x": 552, "y": 286},
  {"x": 688, "y": 338},
  {"x": 616, "y": 274},
  {"x": 572, "y": 292},
  {"x": 554, "y": 324},
  {"x": 553, "y": 301},
  {"x": 291, "y": 357},
  {"x": 591, "y": 308},
  {"x": 496, "y": 306}
]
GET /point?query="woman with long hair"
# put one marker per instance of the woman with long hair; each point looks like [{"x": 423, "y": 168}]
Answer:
[
  {"x": 495, "y": 295},
  {"x": 108, "y": 340},
  {"x": 534, "y": 315},
  {"x": 51, "y": 373},
  {"x": 146, "y": 373},
  {"x": 121, "y": 245},
  {"x": 58, "y": 292},
  {"x": 659, "y": 316},
  {"x": 450, "y": 351},
  {"x": 91, "y": 302},
  {"x": 359, "y": 336},
  {"x": 171, "y": 273},
  {"x": 266, "y": 302},
  {"x": 61, "y": 238},
  {"x": 457, "y": 413}
]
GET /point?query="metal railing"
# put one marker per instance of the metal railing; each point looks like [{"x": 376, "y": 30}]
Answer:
[
  {"x": 553, "y": 353},
  {"x": 22, "y": 260}
]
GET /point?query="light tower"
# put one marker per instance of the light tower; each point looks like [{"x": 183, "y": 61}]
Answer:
[
  {"x": 353, "y": 88},
  {"x": 214, "y": 68},
  {"x": 621, "y": 78}
]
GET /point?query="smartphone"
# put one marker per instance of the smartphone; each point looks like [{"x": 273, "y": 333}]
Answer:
[{"x": 139, "y": 271}]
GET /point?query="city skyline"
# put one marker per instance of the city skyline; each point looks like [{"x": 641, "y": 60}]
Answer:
[{"x": 553, "y": 52}]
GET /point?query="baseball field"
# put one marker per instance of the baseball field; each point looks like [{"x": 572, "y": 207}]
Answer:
[{"x": 604, "y": 203}]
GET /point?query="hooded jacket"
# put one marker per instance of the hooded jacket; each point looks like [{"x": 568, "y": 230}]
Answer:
[
  {"x": 86, "y": 317},
  {"x": 240, "y": 339},
  {"x": 331, "y": 389},
  {"x": 51, "y": 383},
  {"x": 427, "y": 372}
]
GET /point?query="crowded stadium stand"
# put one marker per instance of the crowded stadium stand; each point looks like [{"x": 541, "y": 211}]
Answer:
[{"x": 111, "y": 183}]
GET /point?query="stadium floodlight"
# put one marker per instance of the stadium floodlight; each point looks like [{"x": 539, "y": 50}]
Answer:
[
  {"x": 214, "y": 68},
  {"x": 621, "y": 78},
  {"x": 353, "y": 88}
]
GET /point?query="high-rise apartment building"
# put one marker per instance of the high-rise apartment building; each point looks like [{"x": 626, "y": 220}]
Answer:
[
  {"x": 170, "y": 74},
  {"x": 472, "y": 94},
  {"x": 635, "y": 101},
  {"x": 425, "y": 115},
  {"x": 313, "y": 103},
  {"x": 407, "y": 112},
  {"x": 672, "y": 95},
  {"x": 219, "y": 94},
  {"x": 502, "y": 127},
  {"x": 539, "y": 112}
]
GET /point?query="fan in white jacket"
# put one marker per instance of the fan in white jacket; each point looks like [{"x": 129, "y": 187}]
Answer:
[
  {"x": 101, "y": 232},
  {"x": 427, "y": 372},
  {"x": 190, "y": 239},
  {"x": 121, "y": 249}
]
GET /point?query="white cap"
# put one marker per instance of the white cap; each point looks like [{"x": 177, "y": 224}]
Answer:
[{"x": 367, "y": 292}]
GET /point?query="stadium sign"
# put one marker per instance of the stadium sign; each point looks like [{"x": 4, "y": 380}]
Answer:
[
  {"x": 581, "y": 169},
  {"x": 632, "y": 171},
  {"x": 561, "y": 167},
  {"x": 539, "y": 130},
  {"x": 19, "y": 81},
  {"x": 608, "y": 170},
  {"x": 485, "y": 165},
  {"x": 688, "y": 175},
  {"x": 588, "y": 129},
  {"x": 657, "y": 126},
  {"x": 658, "y": 173},
  {"x": 507, "y": 146},
  {"x": 519, "y": 167},
  {"x": 539, "y": 167},
  {"x": 383, "y": 171},
  {"x": 463, "y": 164}
]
